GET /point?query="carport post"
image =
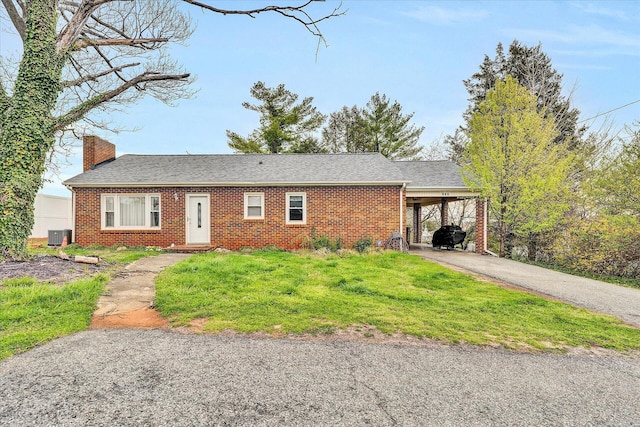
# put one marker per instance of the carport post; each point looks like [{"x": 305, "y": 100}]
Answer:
[
  {"x": 444, "y": 212},
  {"x": 417, "y": 223},
  {"x": 481, "y": 226}
]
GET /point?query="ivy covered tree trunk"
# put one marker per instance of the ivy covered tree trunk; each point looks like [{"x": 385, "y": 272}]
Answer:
[{"x": 26, "y": 127}]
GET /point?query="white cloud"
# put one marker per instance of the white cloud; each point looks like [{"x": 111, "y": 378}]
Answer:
[
  {"x": 442, "y": 16},
  {"x": 602, "y": 11},
  {"x": 591, "y": 35}
]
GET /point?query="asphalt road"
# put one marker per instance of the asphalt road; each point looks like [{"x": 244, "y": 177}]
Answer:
[
  {"x": 619, "y": 301},
  {"x": 158, "y": 378}
]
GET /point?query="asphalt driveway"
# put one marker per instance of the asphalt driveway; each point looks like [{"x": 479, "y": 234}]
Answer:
[
  {"x": 158, "y": 378},
  {"x": 618, "y": 301}
]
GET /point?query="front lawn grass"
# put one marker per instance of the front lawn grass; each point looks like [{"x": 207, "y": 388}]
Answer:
[
  {"x": 32, "y": 312},
  {"x": 303, "y": 293}
]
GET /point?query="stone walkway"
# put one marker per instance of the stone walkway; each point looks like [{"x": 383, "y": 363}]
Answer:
[
  {"x": 128, "y": 301},
  {"x": 618, "y": 301}
]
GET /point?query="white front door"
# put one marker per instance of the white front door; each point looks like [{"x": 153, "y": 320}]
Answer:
[{"x": 198, "y": 229}]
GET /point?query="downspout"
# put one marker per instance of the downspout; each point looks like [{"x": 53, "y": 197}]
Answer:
[
  {"x": 73, "y": 214},
  {"x": 402, "y": 207},
  {"x": 484, "y": 228}
]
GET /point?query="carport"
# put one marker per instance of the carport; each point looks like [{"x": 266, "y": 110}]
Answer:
[{"x": 440, "y": 182}]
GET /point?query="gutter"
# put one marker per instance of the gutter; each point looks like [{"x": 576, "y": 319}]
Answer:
[{"x": 232, "y": 184}]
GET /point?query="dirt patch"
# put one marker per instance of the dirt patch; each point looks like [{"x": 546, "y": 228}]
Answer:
[
  {"x": 49, "y": 268},
  {"x": 370, "y": 334},
  {"x": 354, "y": 333},
  {"x": 145, "y": 318}
]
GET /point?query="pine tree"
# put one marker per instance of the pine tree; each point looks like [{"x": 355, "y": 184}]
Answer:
[
  {"x": 378, "y": 127},
  {"x": 532, "y": 69},
  {"x": 284, "y": 125}
]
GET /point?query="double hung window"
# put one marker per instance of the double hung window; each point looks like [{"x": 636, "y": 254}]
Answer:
[
  {"x": 296, "y": 208},
  {"x": 253, "y": 205}
]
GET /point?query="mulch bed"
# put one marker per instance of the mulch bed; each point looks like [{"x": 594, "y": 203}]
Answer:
[{"x": 49, "y": 268}]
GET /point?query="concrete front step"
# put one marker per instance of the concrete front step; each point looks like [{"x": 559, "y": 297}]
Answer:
[{"x": 190, "y": 249}]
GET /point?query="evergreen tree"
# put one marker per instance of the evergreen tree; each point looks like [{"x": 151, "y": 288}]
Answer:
[
  {"x": 284, "y": 125},
  {"x": 378, "y": 127},
  {"x": 345, "y": 132},
  {"x": 532, "y": 69}
]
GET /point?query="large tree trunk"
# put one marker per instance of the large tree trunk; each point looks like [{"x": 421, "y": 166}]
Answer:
[
  {"x": 26, "y": 128},
  {"x": 532, "y": 246}
]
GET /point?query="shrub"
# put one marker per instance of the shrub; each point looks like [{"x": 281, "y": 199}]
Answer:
[
  {"x": 362, "y": 244},
  {"x": 605, "y": 245},
  {"x": 319, "y": 242}
]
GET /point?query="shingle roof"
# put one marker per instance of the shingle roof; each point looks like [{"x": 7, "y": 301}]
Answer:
[
  {"x": 432, "y": 174},
  {"x": 242, "y": 169},
  {"x": 268, "y": 169}
]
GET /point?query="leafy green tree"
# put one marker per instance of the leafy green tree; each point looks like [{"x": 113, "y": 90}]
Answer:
[
  {"x": 378, "y": 127},
  {"x": 79, "y": 57},
  {"x": 514, "y": 160},
  {"x": 617, "y": 181},
  {"x": 285, "y": 126}
]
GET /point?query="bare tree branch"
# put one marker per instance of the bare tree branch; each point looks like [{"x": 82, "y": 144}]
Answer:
[
  {"x": 119, "y": 42},
  {"x": 78, "y": 112},
  {"x": 15, "y": 17},
  {"x": 71, "y": 31},
  {"x": 108, "y": 62},
  {"x": 109, "y": 26},
  {"x": 297, "y": 13},
  {"x": 94, "y": 77}
]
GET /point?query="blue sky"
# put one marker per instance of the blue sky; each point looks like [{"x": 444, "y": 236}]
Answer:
[{"x": 416, "y": 52}]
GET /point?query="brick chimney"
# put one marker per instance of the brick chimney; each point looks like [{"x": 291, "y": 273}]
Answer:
[{"x": 96, "y": 150}]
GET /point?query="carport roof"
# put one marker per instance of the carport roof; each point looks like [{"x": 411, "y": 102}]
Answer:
[{"x": 432, "y": 174}]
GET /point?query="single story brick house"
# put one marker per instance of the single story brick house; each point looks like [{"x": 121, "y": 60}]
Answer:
[{"x": 251, "y": 200}]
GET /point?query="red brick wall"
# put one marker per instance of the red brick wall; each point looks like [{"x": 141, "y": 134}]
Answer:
[
  {"x": 96, "y": 150},
  {"x": 349, "y": 212}
]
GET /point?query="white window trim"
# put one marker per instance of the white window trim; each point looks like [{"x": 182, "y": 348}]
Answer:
[
  {"x": 116, "y": 207},
  {"x": 246, "y": 206},
  {"x": 304, "y": 209}
]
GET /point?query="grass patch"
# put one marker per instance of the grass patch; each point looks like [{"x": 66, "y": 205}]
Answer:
[
  {"x": 302, "y": 293},
  {"x": 33, "y": 313},
  {"x": 111, "y": 255}
]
